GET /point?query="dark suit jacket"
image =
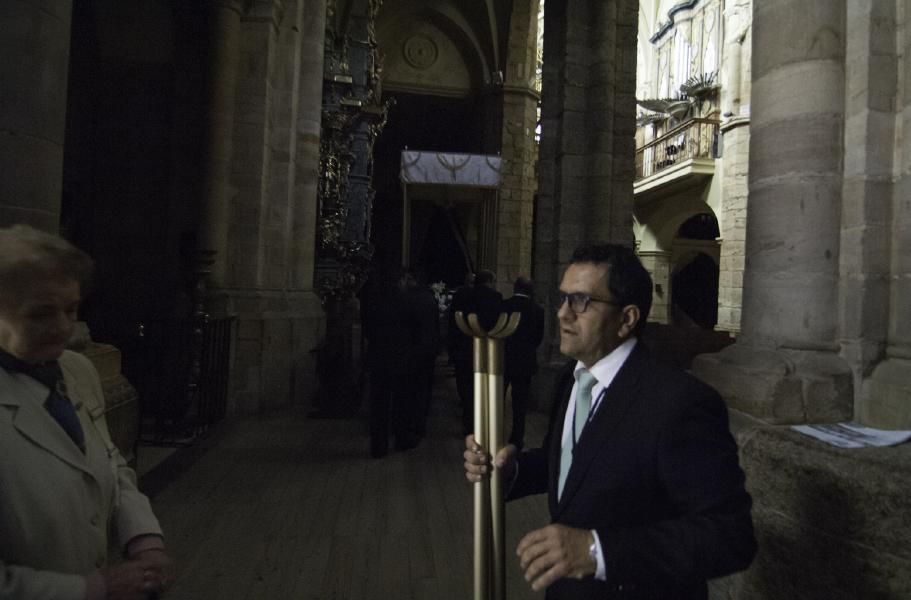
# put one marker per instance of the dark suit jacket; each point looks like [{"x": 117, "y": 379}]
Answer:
[
  {"x": 392, "y": 329},
  {"x": 656, "y": 473},
  {"x": 423, "y": 305},
  {"x": 520, "y": 349}
]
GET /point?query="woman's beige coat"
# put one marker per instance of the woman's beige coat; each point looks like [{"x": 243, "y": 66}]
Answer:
[{"x": 58, "y": 506}]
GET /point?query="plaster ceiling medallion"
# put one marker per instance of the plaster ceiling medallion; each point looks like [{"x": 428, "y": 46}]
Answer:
[{"x": 420, "y": 51}]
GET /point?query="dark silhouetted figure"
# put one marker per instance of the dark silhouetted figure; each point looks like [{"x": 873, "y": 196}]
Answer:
[
  {"x": 520, "y": 355},
  {"x": 391, "y": 329},
  {"x": 422, "y": 304}
]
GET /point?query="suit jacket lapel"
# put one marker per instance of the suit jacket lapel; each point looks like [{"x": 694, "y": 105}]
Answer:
[
  {"x": 614, "y": 405},
  {"x": 33, "y": 421}
]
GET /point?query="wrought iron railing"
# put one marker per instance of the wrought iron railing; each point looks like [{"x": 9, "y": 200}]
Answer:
[
  {"x": 696, "y": 138},
  {"x": 184, "y": 389}
]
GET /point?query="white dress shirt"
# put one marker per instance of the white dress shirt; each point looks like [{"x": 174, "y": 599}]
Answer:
[{"x": 604, "y": 371}]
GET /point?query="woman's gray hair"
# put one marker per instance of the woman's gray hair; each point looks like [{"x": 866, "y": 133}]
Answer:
[{"x": 27, "y": 254}]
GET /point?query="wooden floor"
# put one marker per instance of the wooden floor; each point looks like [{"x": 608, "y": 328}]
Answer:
[{"x": 286, "y": 507}]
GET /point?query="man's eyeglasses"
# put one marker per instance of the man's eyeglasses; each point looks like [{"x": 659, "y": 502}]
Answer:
[{"x": 578, "y": 302}]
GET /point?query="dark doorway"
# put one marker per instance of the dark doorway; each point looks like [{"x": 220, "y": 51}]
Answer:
[
  {"x": 423, "y": 122},
  {"x": 442, "y": 256},
  {"x": 695, "y": 293}
]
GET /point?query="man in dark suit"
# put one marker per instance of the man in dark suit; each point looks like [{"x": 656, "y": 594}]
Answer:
[
  {"x": 520, "y": 353},
  {"x": 391, "y": 328},
  {"x": 645, "y": 490},
  {"x": 482, "y": 299},
  {"x": 423, "y": 305}
]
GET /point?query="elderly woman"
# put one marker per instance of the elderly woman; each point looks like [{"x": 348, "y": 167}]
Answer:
[{"x": 65, "y": 490}]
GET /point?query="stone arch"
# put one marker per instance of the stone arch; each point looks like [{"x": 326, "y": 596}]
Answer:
[
  {"x": 656, "y": 228},
  {"x": 694, "y": 272},
  {"x": 694, "y": 290},
  {"x": 658, "y": 225},
  {"x": 431, "y": 49}
]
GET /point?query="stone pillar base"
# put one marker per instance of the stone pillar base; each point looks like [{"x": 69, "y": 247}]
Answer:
[
  {"x": 831, "y": 523},
  {"x": 121, "y": 403},
  {"x": 781, "y": 386},
  {"x": 885, "y": 403},
  {"x": 273, "y": 363}
]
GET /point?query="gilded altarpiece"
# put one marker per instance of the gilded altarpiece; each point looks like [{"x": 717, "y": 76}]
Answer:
[{"x": 352, "y": 118}]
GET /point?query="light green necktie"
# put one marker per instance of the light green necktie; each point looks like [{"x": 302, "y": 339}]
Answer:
[{"x": 585, "y": 381}]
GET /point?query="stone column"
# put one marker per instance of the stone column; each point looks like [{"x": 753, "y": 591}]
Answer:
[
  {"x": 518, "y": 148},
  {"x": 785, "y": 367},
  {"x": 733, "y": 222},
  {"x": 735, "y": 127},
  {"x": 257, "y": 199},
  {"x": 306, "y": 179},
  {"x": 658, "y": 264},
  {"x": 215, "y": 211},
  {"x": 35, "y": 37},
  {"x": 587, "y": 150},
  {"x": 886, "y": 401}
]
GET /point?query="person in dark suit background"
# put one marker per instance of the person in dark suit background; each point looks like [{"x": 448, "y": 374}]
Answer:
[
  {"x": 520, "y": 353},
  {"x": 391, "y": 328},
  {"x": 423, "y": 306},
  {"x": 644, "y": 486},
  {"x": 482, "y": 299}
]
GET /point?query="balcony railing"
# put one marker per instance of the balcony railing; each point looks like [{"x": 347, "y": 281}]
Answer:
[{"x": 696, "y": 138}]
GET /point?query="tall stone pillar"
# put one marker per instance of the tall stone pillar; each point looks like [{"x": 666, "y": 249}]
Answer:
[
  {"x": 518, "y": 149},
  {"x": 785, "y": 367},
  {"x": 215, "y": 214},
  {"x": 35, "y": 37},
  {"x": 886, "y": 401},
  {"x": 658, "y": 264},
  {"x": 587, "y": 151},
  {"x": 307, "y": 130},
  {"x": 735, "y": 127}
]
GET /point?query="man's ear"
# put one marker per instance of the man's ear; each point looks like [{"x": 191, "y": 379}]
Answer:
[{"x": 630, "y": 317}]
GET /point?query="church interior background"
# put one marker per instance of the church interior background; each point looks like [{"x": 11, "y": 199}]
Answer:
[{"x": 233, "y": 166}]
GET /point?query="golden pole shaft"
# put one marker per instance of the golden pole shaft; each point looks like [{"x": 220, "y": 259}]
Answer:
[
  {"x": 482, "y": 487},
  {"x": 497, "y": 442},
  {"x": 489, "y": 517}
]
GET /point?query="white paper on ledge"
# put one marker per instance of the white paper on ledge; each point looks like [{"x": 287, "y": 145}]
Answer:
[{"x": 853, "y": 435}]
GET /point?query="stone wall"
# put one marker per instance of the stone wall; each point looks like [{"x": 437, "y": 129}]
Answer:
[
  {"x": 734, "y": 163},
  {"x": 831, "y": 523},
  {"x": 587, "y": 150},
  {"x": 35, "y": 36},
  {"x": 875, "y": 277},
  {"x": 825, "y": 333},
  {"x": 270, "y": 205},
  {"x": 518, "y": 148},
  {"x": 785, "y": 367}
]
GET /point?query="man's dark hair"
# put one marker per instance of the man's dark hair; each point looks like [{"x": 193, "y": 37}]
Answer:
[
  {"x": 484, "y": 277},
  {"x": 523, "y": 285},
  {"x": 627, "y": 279}
]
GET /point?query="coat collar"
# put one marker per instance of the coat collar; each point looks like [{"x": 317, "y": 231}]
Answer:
[
  {"x": 618, "y": 397},
  {"x": 31, "y": 419}
]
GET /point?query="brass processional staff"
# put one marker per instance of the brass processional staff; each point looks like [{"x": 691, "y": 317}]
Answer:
[{"x": 489, "y": 521}]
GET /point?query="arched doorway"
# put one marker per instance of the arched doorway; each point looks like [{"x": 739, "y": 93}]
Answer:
[
  {"x": 694, "y": 283},
  {"x": 695, "y": 293},
  {"x": 442, "y": 252}
]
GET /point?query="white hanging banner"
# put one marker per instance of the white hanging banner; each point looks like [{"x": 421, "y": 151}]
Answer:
[{"x": 447, "y": 168}]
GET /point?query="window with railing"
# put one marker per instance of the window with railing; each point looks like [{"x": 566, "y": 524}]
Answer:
[{"x": 695, "y": 138}]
